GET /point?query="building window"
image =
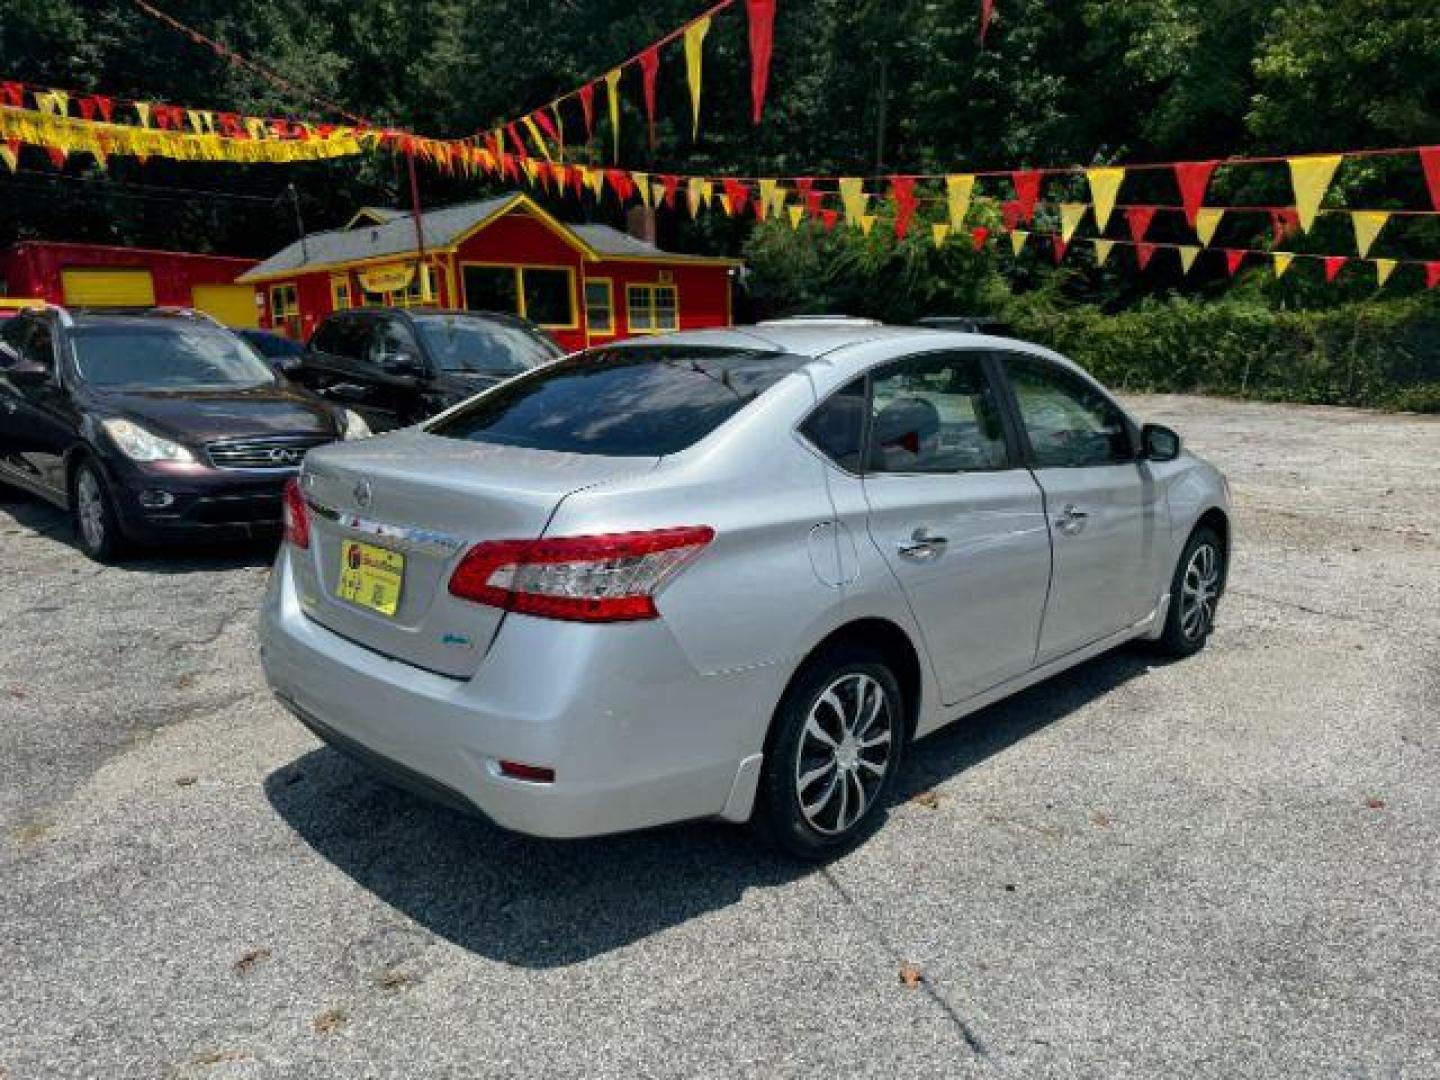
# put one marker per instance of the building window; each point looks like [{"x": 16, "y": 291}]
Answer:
[
  {"x": 600, "y": 306},
  {"x": 340, "y": 292},
  {"x": 543, "y": 294},
  {"x": 492, "y": 288},
  {"x": 652, "y": 309},
  {"x": 285, "y": 309}
]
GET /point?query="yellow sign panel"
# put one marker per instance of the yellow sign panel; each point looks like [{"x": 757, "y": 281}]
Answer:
[
  {"x": 108, "y": 288},
  {"x": 371, "y": 576},
  {"x": 387, "y": 279},
  {"x": 233, "y": 305}
]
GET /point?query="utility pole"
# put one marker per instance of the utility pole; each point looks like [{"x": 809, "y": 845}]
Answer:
[
  {"x": 419, "y": 230},
  {"x": 299, "y": 221},
  {"x": 883, "y": 91}
]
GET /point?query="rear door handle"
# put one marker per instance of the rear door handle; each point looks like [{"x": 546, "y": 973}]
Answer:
[
  {"x": 1071, "y": 520},
  {"x": 922, "y": 546}
]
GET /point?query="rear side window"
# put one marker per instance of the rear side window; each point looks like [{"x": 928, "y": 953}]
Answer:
[
  {"x": 636, "y": 402},
  {"x": 837, "y": 428},
  {"x": 342, "y": 337}
]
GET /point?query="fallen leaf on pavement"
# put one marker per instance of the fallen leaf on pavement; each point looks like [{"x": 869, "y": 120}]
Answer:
[
  {"x": 911, "y": 975},
  {"x": 928, "y": 799},
  {"x": 395, "y": 979},
  {"x": 1375, "y": 804},
  {"x": 1102, "y": 819},
  {"x": 330, "y": 1021},
  {"x": 250, "y": 960}
]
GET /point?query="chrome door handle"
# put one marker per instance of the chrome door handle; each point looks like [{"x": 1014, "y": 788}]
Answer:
[
  {"x": 922, "y": 546},
  {"x": 1071, "y": 520}
]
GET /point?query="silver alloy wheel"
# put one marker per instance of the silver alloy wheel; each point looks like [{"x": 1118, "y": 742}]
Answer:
[
  {"x": 90, "y": 509},
  {"x": 1199, "y": 590},
  {"x": 844, "y": 752}
]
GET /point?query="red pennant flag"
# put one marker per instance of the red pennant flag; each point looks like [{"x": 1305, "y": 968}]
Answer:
[
  {"x": 87, "y": 108},
  {"x": 671, "y": 183},
  {"x": 805, "y": 188},
  {"x": 1233, "y": 258},
  {"x": 736, "y": 196},
  {"x": 1139, "y": 219},
  {"x": 1283, "y": 224},
  {"x": 587, "y": 106},
  {"x": 1430, "y": 162},
  {"x": 1027, "y": 191},
  {"x": 1193, "y": 178},
  {"x": 987, "y": 12},
  {"x": 1058, "y": 249},
  {"x": 621, "y": 183},
  {"x": 902, "y": 190},
  {"x": 545, "y": 124},
  {"x": 106, "y": 105},
  {"x": 1333, "y": 263},
  {"x": 577, "y": 181},
  {"x": 1432, "y": 274},
  {"x": 1010, "y": 214},
  {"x": 649, "y": 68},
  {"x": 516, "y": 141},
  {"x": 978, "y": 236},
  {"x": 761, "y": 14},
  {"x": 828, "y": 218},
  {"x": 813, "y": 199},
  {"x": 57, "y": 156},
  {"x": 13, "y": 94},
  {"x": 1143, "y": 252}
]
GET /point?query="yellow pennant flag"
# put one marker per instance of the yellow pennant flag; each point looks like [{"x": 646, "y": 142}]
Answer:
[
  {"x": 612, "y": 93},
  {"x": 766, "y": 202},
  {"x": 54, "y": 102},
  {"x": 1017, "y": 240},
  {"x": 142, "y": 109},
  {"x": 1187, "y": 256},
  {"x": 193, "y": 115},
  {"x": 1104, "y": 189},
  {"x": 1071, "y": 214},
  {"x": 1310, "y": 177},
  {"x": 642, "y": 184},
  {"x": 958, "y": 189},
  {"x": 694, "y": 54},
  {"x": 867, "y": 222},
  {"x": 692, "y": 195},
  {"x": 939, "y": 230},
  {"x": 254, "y": 126},
  {"x": 596, "y": 180},
  {"x": 1207, "y": 220},
  {"x": 797, "y": 215},
  {"x": 534, "y": 130},
  {"x": 531, "y": 168},
  {"x": 1102, "y": 251},
  {"x": 1283, "y": 259},
  {"x": 853, "y": 198},
  {"x": 9, "y": 157},
  {"x": 1383, "y": 269},
  {"x": 1368, "y": 224}
]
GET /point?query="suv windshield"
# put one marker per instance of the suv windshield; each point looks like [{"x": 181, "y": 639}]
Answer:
[
  {"x": 461, "y": 343},
  {"x": 635, "y": 402},
  {"x": 167, "y": 356}
]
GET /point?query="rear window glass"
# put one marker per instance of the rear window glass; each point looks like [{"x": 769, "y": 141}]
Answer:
[{"x": 636, "y": 402}]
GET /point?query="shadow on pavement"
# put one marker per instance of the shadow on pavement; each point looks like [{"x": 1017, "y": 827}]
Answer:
[{"x": 539, "y": 904}]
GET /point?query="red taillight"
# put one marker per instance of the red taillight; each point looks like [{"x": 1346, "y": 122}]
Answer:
[
  {"x": 610, "y": 578},
  {"x": 535, "y": 774},
  {"x": 296, "y": 516}
]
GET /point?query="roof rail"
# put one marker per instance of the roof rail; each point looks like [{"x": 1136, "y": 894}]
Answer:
[{"x": 821, "y": 320}]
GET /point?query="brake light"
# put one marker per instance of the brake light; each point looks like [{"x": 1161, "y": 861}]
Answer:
[
  {"x": 296, "y": 516},
  {"x": 611, "y": 578}
]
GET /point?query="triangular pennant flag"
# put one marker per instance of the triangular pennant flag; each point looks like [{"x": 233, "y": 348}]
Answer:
[
  {"x": 1071, "y": 214},
  {"x": 867, "y": 222},
  {"x": 1027, "y": 191},
  {"x": 692, "y": 195},
  {"x": 1017, "y": 241},
  {"x": 737, "y": 195},
  {"x": 142, "y": 110},
  {"x": 621, "y": 183},
  {"x": 829, "y": 218},
  {"x": 1102, "y": 251},
  {"x": 535, "y": 135},
  {"x": 1011, "y": 214},
  {"x": 10, "y": 154},
  {"x": 596, "y": 180},
  {"x": 1058, "y": 247},
  {"x": 58, "y": 154},
  {"x": 797, "y": 215},
  {"x": 1138, "y": 218},
  {"x": 978, "y": 236},
  {"x": 1104, "y": 189},
  {"x": 612, "y": 94},
  {"x": 694, "y": 63},
  {"x": 958, "y": 189},
  {"x": 768, "y": 188},
  {"x": 987, "y": 12},
  {"x": 902, "y": 191},
  {"x": 1432, "y": 274},
  {"x": 1187, "y": 256},
  {"x": 1193, "y": 177},
  {"x": 1333, "y": 265},
  {"x": 853, "y": 198},
  {"x": 1282, "y": 260},
  {"x": 1383, "y": 269},
  {"x": 1207, "y": 220},
  {"x": 1310, "y": 177},
  {"x": 670, "y": 184},
  {"x": 939, "y": 230},
  {"x": 1233, "y": 258},
  {"x": 587, "y": 109},
  {"x": 649, "y": 69},
  {"x": 642, "y": 185},
  {"x": 1143, "y": 254},
  {"x": 1368, "y": 224},
  {"x": 1430, "y": 164},
  {"x": 761, "y": 15}
]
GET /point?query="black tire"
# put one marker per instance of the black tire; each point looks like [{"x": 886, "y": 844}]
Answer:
[
  {"x": 101, "y": 537},
  {"x": 792, "y": 752},
  {"x": 1187, "y": 630}
]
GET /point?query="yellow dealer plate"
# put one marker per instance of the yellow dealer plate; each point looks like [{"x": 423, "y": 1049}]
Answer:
[{"x": 371, "y": 576}]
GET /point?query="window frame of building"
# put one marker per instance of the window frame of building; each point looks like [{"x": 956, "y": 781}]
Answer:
[
  {"x": 650, "y": 292},
  {"x": 609, "y": 328},
  {"x": 285, "y": 316},
  {"x": 521, "y": 308},
  {"x": 340, "y": 292}
]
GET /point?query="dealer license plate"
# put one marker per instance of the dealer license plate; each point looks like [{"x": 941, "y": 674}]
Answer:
[{"x": 371, "y": 576}]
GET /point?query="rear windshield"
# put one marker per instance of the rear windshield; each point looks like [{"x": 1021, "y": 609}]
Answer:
[{"x": 635, "y": 402}]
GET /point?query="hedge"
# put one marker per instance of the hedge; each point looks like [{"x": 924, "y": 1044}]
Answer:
[{"x": 1381, "y": 355}]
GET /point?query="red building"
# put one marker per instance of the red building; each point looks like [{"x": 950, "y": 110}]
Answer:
[
  {"x": 584, "y": 284},
  {"x": 93, "y": 275}
]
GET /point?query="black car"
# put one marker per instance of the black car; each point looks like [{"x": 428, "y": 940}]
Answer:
[
  {"x": 397, "y": 367},
  {"x": 147, "y": 426},
  {"x": 283, "y": 353}
]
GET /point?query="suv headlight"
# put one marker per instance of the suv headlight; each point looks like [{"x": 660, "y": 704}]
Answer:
[
  {"x": 140, "y": 445},
  {"x": 355, "y": 426}
]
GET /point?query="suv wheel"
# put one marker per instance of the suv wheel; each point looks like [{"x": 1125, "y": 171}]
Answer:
[
  {"x": 836, "y": 746},
  {"x": 97, "y": 527}
]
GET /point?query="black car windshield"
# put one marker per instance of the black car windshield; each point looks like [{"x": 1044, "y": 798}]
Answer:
[
  {"x": 166, "y": 356},
  {"x": 461, "y": 343},
  {"x": 626, "y": 402}
]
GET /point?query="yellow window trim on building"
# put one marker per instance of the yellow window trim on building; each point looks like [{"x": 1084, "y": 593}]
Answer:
[
  {"x": 340, "y": 298},
  {"x": 519, "y": 271},
  {"x": 644, "y": 297},
  {"x": 609, "y": 286},
  {"x": 281, "y": 306}
]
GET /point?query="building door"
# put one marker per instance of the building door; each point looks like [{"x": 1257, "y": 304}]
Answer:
[
  {"x": 233, "y": 305},
  {"x": 108, "y": 288}
]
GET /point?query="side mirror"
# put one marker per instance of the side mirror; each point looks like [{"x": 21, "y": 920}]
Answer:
[{"x": 1160, "y": 443}]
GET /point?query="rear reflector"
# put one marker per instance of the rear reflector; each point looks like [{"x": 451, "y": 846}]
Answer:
[
  {"x": 296, "y": 516},
  {"x": 611, "y": 578},
  {"x": 536, "y": 774}
]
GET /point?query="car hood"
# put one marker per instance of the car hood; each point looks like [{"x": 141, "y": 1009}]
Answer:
[{"x": 202, "y": 416}]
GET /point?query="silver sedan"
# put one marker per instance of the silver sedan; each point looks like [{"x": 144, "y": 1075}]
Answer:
[{"x": 729, "y": 574}]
